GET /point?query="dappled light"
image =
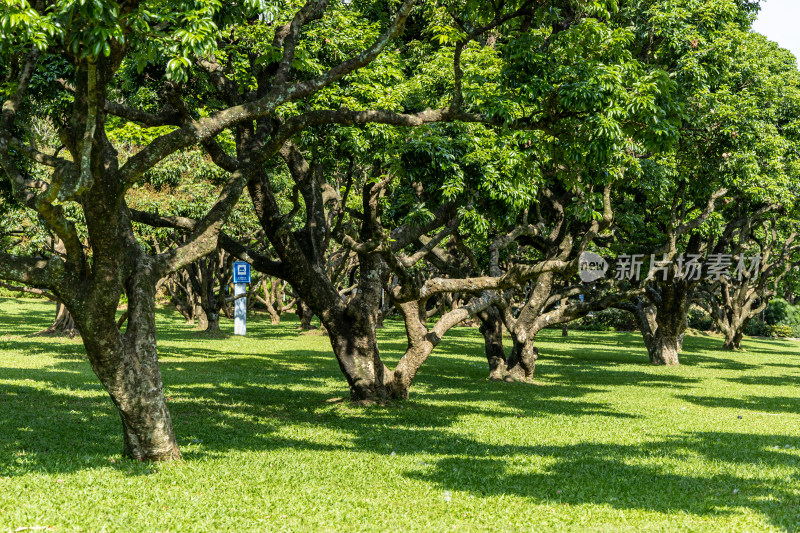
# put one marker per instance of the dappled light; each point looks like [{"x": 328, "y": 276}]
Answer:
[{"x": 599, "y": 436}]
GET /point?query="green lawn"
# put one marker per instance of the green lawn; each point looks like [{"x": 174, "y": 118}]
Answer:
[{"x": 602, "y": 442}]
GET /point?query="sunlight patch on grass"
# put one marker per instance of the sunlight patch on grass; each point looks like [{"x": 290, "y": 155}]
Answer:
[{"x": 603, "y": 442}]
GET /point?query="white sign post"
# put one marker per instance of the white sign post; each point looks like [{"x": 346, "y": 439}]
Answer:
[
  {"x": 241, "y": 277},
  {"x": 240, "y": 320}
]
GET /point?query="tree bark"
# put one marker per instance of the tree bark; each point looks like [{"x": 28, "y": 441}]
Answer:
[
  {"x": 128, "y": 368},
  {"x": 182, "y": 296},
  {"x": 733, "y": 338},
  {"x": 671, "y": 314},
  {"x": 522, "y": 361},
  {"x": 419, "y": 347},
  {"x": 662, "y": 319},
  {"x": 731, "y": 315},
  {"x": 665, "y": 350},
  {"x": 355, "y": 345},
  {"x": 305, "y": 314},
  {"x": 212, "y": 320},
  {"x": 274, "y": 315},
  {"x": 211, "y": 304},
  {"x": 645, "y": 315},
  {"x": 492, "y": 331},
  {"x": 273, "y": 298},
  {"x": 403, "y": 376},
  {"x": 202, "y": 319},
  {"x": 206, "y": 280},
  {"x": 62, "y": 325},
  {"x": 276, "y": 289}
]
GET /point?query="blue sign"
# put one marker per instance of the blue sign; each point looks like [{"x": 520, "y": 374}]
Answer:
[{"x": 241, "y": 272}]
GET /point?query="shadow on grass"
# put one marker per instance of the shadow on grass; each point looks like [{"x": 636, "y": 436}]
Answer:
[
  {"x": 570, "y": 475},
  {"x": 769, "y": 381},
  {"x": 249, "y": 416},
  {"x": 766, "y": 404},
  {"x": 238, "y": 401},
  {"x": 58, "y": 419}
]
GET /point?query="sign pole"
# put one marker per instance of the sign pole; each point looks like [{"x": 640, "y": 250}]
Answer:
[
  {"x": 240, "y": 316},
  {"x": 241, "y": 277}
]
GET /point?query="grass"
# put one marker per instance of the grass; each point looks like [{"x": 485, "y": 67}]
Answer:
[{"x": 602, "y": 442}]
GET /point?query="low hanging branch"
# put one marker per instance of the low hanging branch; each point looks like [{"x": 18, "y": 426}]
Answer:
[{"x": 29, "y": 290}]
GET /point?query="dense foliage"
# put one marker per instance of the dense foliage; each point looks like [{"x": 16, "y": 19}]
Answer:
[{"x": 449, "y": 161}]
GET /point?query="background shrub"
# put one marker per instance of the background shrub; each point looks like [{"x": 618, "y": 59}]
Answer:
[
  {"x": 700, "y": 320},
  {"x": 782, "y": 330},
  {"x": 781, "y": 319},
  {"x": 606, "y": 320},
  {"x": 756, "y": 328}
]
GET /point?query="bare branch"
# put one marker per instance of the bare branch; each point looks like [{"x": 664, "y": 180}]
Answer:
[
  {"x": 703, "y": 216},
  {"x": 30, "y": 271},
  {"x": 420, "y": 254},
  {"x": 286, "y": 36},
  {"x": 149, "y": 120},
  {"x": 29, "y": 290},
  {"x": 39, "y": 157}
]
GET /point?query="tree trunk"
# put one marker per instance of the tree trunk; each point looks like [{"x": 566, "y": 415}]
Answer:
[
  {"x": 63, "y": 324},
  {"x": 272, "y": 300},
  {"x": 732, "y": 323},
  {"x": 202, "y": 319},
  {"x": 356, "y": 348},
  {"x": 212, "y": 321},
  {"x": 128, "y": 368},
  {"x": 733, "y": 338},
  {"x": 662, "y": 321},
  {"x": 400, "y": 381},
  {"x": 385, "y": 310},
  {"x": 492, "y": 331},
  {"x": 274, "y": 317},
  {"x": 182, "y": 296},
  {"x": 522, "y": 361},
  {"x": 276, "y": 307},
  {"x": 212, "y": 306},
  {"x": 645, "y": 315},
  {"x": 352, "y": 330},
  {"x": 350, "y": 325},
  {"x": 305, "y": 314},
  {"x": 421, "y": 342},
  {"x": 664, "y": 350},
  {"x": 671, "y": 321}
]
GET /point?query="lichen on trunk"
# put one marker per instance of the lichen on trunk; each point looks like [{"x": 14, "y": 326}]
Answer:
[{"x": 128, "y": 367}]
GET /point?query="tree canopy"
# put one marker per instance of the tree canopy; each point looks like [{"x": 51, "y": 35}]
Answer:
[{"x": 448, "y": 161}]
